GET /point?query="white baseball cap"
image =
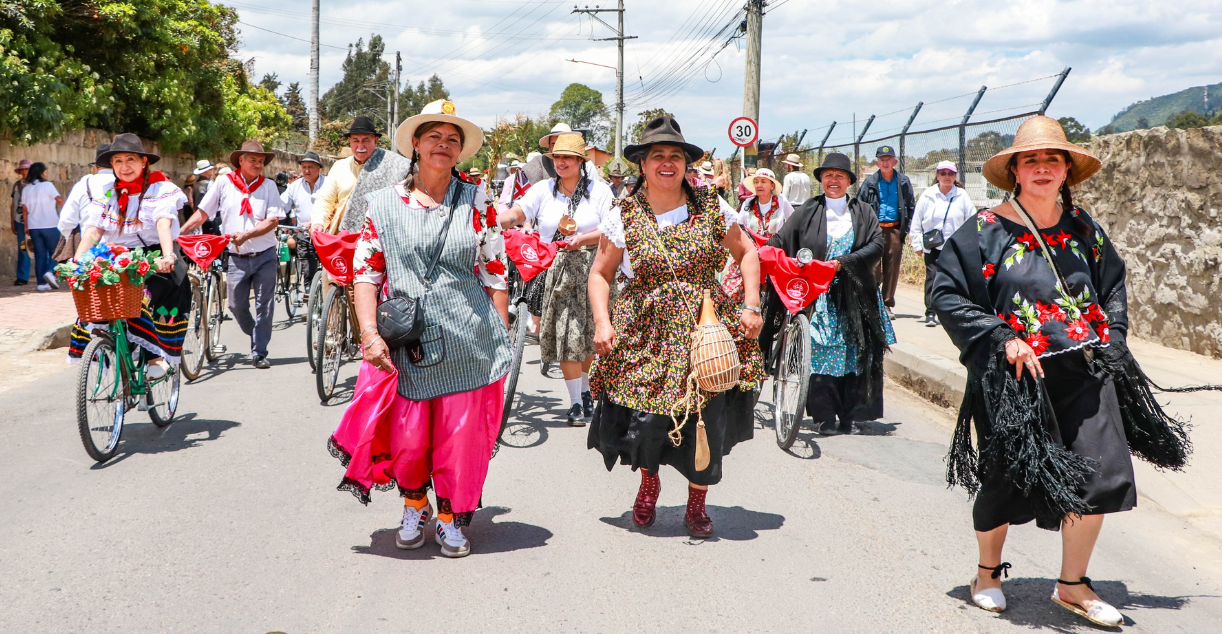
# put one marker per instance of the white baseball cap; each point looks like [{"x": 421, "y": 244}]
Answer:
[{"x": 947, "y": 165}]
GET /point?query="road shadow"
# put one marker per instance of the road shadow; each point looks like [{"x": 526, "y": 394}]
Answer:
[
  {"x": 533, "y": 415},
  {"x": 143, "y": 437},
  {"x": 875, "y": 428},
  {"x": 805, "y": 446},
  {"x": 1028, "y": 605},
  {"x": 487, "y": 537},
  {"x": 733, "y": 523}
]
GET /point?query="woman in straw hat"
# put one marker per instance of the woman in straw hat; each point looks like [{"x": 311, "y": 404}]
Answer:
[
  {"x": 669, "y": 240},
  {"x": 140, "y": 210},
  {"x": 568, "y": 208},
  {"x": 440, "y": 427},
  {"x": 763, "y": 213},
  {"x": 1033, "y": 294}
]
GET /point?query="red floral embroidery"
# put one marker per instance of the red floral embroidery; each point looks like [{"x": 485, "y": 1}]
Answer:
[
  {"x": 1078, "y": 330},
  {"x": 1028, "y": 240},
  {"x": 988, "y": 216},
  {"x": 1014, "y": 322},
  {"x": 1105, "y": 333},
  {"x": 1093, "y": 314},
  {"x": 1064, "y": 238},
  {"x": 1054, "y": 241},
  {"x": 376, "y": 261},
  {"x": 476, "y": 221},
  {"x": 1038, "y": 342},
  {"x": 490, "y": 220},
  {"x": 989, "y": 270},
  {"x": 1050, "y": 312},
  {"x": 369, "y": 232},
  {"x": 495, "y": 267}
]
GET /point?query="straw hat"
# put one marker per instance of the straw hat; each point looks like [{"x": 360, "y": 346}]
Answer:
[
  {"x": 203, "y": 165},
  {"x": 249, "y": 146},
  {"x": 1040, "y": 133},
  {"x": 706, "y": 168},
  {"x": 794, "y": 160},
  {"x": 445, "y": 111},
  {"x": 559, "y": 128},
  {"x": 568, "y": 144},
  {"x": 767, "y": 174}
]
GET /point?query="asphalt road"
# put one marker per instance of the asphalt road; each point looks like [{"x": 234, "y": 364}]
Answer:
[{"x": 229, "y": 521}]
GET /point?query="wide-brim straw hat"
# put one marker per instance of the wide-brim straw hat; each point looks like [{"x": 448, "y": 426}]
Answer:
[
  {"x": 794, "y": 160},
  {"x": 663, "y": 130},
  {"x": 126, "y": 143},
  {"x": 1040, "y": 133},
  {"x": 559, "y": 128},
  {"x": 766, "y": 174},
  {"x": 203, "y": 165},
  {"x": 568, "y": 144},
  {"x": 445, "y": 111},
  {"x": 250, "y": 147}
]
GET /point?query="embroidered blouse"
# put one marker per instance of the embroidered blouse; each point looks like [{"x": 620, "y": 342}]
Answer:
[
  {"x": 369, "y": 263},
  {"x": 161, "y": 200}
]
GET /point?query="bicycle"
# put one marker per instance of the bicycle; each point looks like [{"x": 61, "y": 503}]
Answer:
[
  {"x": 197, "y": 328},
  {"x": 110, "y": 382},
  {"x": 214, "y": 299},
  {"x": 519, "y": 325},
  {"x": 337, "y": 339},
  {"x": 289, "y": 272},
  {"x": 314, "y": 317}
]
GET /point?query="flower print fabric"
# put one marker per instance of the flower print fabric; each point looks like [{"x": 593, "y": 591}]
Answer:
[{"x": 369, "y": 262}]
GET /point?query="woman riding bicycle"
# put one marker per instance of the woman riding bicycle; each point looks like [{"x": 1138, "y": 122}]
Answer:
[{"x": 140, "y": 211}]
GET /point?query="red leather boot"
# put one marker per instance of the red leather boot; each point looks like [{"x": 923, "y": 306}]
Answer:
[
  {"x": 644, "y": 510},
  {"x": 696, "y": 521}
]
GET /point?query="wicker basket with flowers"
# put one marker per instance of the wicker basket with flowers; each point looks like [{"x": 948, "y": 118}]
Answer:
[{"x": 108, "y": 281}]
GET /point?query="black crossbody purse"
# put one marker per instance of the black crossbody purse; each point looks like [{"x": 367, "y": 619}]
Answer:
[
  {"x": 401, "y": 319},
  {"x": 933, "y": 239}
]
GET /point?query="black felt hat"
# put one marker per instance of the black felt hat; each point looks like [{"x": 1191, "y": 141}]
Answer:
[
  {"x": 363, "y": 125},
  {"x": 126, "y": 143},
  {"x": 311, "y": 157},
  {"x": 837, "y": 161},
  {"x": 97, "y": 156},
  {"x": 662, "y": 131}
]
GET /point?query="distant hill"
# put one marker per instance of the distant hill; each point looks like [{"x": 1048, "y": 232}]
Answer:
[{"x": 1157, "y": 110}]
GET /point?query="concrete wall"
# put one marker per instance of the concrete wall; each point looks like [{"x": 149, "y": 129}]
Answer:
[
  {"x": 70, "y": 158},
  {"x": 1159, "y": 197}
]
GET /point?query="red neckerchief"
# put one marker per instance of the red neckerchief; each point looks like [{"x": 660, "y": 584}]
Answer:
[
  {"x": 236, "y": 178},
  {"x": 124, "y": 189},
  {"x": 755, "y": 209}
]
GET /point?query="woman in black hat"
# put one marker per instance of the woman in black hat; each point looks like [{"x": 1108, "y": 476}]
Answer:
[
  {"x": 139, "y": 210},
  {"x": 670, "y": 239},
  {"x": 849, "y": 326}
]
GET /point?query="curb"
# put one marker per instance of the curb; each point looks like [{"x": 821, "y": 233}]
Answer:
[
  {"x": 935, "y": 378},
  {"x": 50, "y": 338}
]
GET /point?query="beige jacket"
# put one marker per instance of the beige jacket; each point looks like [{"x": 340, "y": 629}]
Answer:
[{"x": 332, "y": 199}]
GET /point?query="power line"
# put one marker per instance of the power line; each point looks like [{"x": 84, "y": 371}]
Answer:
[{"x": 291, "y": 37}]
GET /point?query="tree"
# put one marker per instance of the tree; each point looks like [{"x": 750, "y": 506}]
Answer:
[
  {"x": 1143, "y": 123},
  {"x": 1105, "y": 130},
  {"x": 582, "y": 108},
  {"x": 162, "y": 69},
  {"x": 295, "y": 105},
  {"x": 633, "y": 134},
  {"x": 413, "y": 100},
  {"x": 512, "y": 138},
  {"x": 362, "y": 90},
  {"x": 1187, "y": 119},
  {"x": 270, "y": 82},
  {"x": 1075, "y": 132}
]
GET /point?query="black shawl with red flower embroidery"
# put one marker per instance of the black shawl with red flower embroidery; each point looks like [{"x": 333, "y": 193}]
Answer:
[{"x": 993, "y": 284}]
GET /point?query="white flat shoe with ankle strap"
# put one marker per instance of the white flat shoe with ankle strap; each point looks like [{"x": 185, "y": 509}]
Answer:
[
  {"x": 990, "y": 599},
  {"x": 1100, "y": 613}
]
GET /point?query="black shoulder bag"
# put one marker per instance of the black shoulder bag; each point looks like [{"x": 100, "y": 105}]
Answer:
[
  {"x": 401, "y": 319},
  {"x": 933, "y": 239}
]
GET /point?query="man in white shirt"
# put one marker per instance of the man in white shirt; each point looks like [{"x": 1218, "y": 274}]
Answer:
[
  {"x": 100, "y": 180},
  {"x": 298, "y": 202},
  {"x": 796, "y": 188},
  {"x": 250, "y": 208}
]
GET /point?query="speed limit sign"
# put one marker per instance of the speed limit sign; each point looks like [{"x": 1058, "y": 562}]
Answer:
[{"x": 743, "y": 131}]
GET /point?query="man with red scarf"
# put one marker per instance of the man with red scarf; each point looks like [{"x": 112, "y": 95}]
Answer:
[{"x": 249, "y": 206}]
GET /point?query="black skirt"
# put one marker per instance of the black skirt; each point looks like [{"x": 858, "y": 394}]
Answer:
[
  {"x": 829, "y": 397},
  {"x": 1089, "y": 424},
  {"x": 639, "y": 439}
]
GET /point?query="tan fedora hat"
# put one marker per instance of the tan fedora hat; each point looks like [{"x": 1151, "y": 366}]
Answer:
[
  {"x": 765, "y": 173},
  {"x": 250, "y": 147},
  {"x": 559, "y": 128},
  {"x": 1040, "y": 133},
  {"x": 569, "y": 144},
  {"x": 794, "y": 160},
  {"x": 445, "y": 111}
]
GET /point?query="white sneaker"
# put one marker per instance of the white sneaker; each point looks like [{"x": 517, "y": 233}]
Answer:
[
  {"x": 50, "y": 278},
  {"x": 411, "y": 533},
  {"x": 451, "y": 540},
  {"x": 43, "y": 287}
]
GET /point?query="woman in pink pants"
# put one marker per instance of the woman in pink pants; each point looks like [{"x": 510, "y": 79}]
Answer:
[{"x": 427, "y": 413}]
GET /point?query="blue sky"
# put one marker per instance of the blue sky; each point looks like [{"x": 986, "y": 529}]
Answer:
[{"x": 823, "y": 60}]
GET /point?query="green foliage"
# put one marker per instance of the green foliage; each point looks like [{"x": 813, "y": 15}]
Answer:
[
  {"x": 1105, "y": 130},
  {"x": 270, "y": 82},
  {"x": 509, "y": 139},
  {"x": 1143, "y": 123},
  {"x": 1166, "y": 106},
  {"x": 295, "y": 106},
  {"x": 158, "y": 68},
  {"x": 1075, "y": 132},
  {"x": 413, "y": 100},
  {"x": 633, "y": 134},
  {"x": 582, "y": 108},
  {"x": 362, "y": 90},
  {"x": 1188, "y": 119}
]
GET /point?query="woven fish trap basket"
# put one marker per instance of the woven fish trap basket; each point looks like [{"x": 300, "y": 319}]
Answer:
[{"x": 715, "y": 358}]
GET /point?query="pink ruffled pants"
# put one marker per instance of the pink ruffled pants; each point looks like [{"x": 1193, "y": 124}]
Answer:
[{"x": 448, "y": 439}]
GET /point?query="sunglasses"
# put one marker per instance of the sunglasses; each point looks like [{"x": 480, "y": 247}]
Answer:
[{"x": 945, "y": 173}]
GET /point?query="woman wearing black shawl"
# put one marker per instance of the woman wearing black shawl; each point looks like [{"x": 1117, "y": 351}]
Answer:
[
  {"x": 1057, "y": 399},
  {"x": 849, "y": 327}
]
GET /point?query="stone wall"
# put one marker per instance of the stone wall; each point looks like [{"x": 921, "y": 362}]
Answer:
[
  {"x": 70, "y": 158},
  {"x": 1159, "y": 197}
]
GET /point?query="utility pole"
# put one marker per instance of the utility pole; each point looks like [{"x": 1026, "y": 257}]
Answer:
[
  {"x": 751, "y": 80},
  {"x": 314, "y": 72},
  {"x": 398, "y": 72},
  {"x": 619, "y": 72}
]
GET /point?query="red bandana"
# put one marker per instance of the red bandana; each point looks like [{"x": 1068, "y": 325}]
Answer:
[
  {"x": 125, "y": 188},
  {"x": 796, "y": 285},
  {"x": 240, "y": 183}
]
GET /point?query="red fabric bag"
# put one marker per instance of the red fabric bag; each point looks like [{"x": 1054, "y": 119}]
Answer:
[
  {"x": 759, "y": 240},
  {"x": 797, "y": 285},
  {"x": 335, "y": 254},
  {"x": 531, "y": 255},
  {"x": 203, "y": 248}
]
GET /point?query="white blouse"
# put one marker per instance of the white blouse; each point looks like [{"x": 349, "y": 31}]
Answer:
[
  {"x": 935, "y": 210},
  {"x": 839, "y": 221},
  {"x": 161, "y": 200},
  {"x": 544, "y": 206},
  {"x": 749, "y": 220},
  {"x": 613, "y": 228}
]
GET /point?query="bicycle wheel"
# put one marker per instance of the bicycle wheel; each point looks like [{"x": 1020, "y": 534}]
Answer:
[
  {"x": 791, "y": 381},
  {"x": 518, "y": 326},
  {"x": 287, "y": 283},
  {"x": 164, "y": 396},
  {"x": 313, "y": 317},
  {"x": 100, "y": 405},
  {"x": 216, "y": 316},
  {"x": 332, "y": 342},
  {"x": 197, "y": 334}
]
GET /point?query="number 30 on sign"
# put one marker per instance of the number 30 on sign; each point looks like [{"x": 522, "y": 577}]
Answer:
[{"x": 743, "y": 131}]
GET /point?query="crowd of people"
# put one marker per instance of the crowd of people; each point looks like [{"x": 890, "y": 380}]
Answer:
[{"x": 1031, "y": 291}]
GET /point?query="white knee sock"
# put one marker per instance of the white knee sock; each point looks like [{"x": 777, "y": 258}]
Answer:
[
  {"x": 574, "y": 386},
  {"x": 585, "y": 381}
]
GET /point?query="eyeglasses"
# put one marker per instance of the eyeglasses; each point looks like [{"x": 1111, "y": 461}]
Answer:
[{"x": 945, "y": 173}]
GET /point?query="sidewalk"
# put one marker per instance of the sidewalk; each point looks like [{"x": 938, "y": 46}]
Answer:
[
  {"x": 30, "y": 320},
  {"x": 926, "y": 361}
]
